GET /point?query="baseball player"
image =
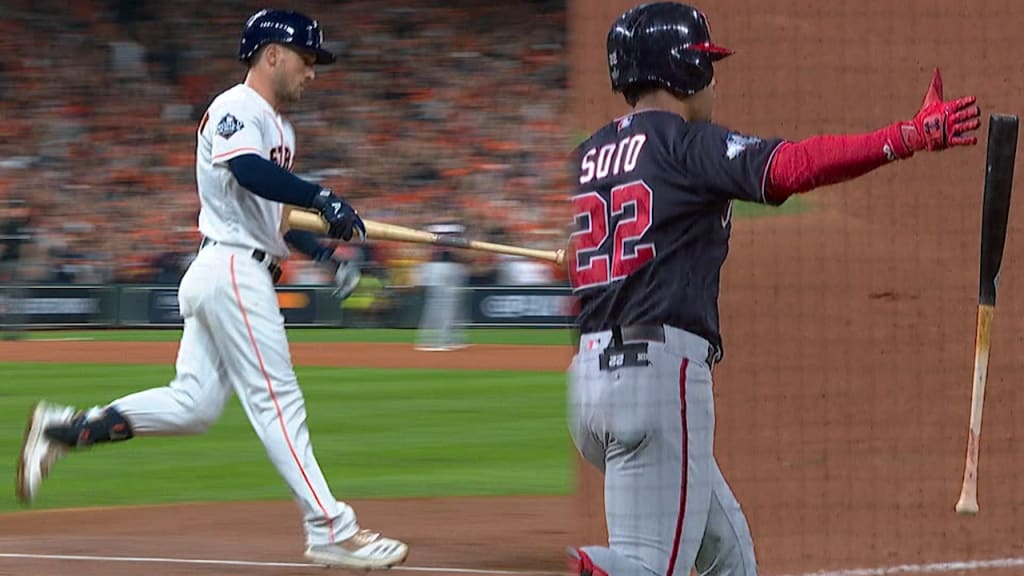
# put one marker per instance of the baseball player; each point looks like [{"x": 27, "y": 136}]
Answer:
[
  {"x": 652, "y": 214},
  {"x": 234, "y": 337},
  {"x": 444, "y": 279}
]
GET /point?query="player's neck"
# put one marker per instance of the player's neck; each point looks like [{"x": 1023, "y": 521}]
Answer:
[
  {"x": 262, "y": 88},
  {"x": 662, "y": 100}
]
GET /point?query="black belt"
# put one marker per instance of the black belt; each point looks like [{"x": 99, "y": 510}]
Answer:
[
  {"x": 258, "y": 255},
  {"x": 653, "y": 333},
  {"x": 646, "y": 332}
]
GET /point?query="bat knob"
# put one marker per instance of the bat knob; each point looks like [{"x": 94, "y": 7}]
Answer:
[
  {"x": 560, "y": 256},
  {"x": 967, "y": 505}
]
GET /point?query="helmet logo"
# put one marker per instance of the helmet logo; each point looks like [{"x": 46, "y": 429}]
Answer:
[
  {"x": 278, "y": 26},
  {"x": 254, "y": 17}
]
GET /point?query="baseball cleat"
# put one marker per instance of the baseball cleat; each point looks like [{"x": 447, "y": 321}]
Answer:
[
  {"x": 366, "y": 550},
  {"x": 39, "y": 453}
]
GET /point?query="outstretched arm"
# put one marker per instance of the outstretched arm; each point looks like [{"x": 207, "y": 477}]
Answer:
[{"x": 823, "y": 160}]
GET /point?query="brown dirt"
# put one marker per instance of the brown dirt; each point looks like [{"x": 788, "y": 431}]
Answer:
[{"x": 522, "y": 534}]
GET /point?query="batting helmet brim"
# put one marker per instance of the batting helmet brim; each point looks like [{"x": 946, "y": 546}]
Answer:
[
  {"x": 715, "y": 51},
  {"x": 324, "y": 57}
]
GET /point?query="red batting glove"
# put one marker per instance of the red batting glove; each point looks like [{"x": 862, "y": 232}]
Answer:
[{"x": 940, "y": 125}]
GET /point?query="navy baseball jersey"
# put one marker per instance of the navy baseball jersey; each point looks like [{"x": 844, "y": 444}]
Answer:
[{"x": 652, "y": 218}]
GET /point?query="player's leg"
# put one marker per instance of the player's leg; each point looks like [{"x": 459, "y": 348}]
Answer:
[
  {"x": 254, "y": 347},
  {"x": 584, "y": 411},
  {"x": 660, "y": 421},
  {"x": 728, "y": 549},
  {"x": 428, "y": 333},
  {"x": 192, "y": 401},
  {"x": 462, "y": 311},
  {"x": 449, "y": 316}
]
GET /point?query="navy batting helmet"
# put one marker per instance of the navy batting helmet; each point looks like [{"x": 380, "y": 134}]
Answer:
[
  {"x": 664, "y": 44},
  {"x": 283, "y": 27}
]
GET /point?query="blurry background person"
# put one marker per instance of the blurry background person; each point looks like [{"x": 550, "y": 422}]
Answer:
[
  {"x": 14, "y": 237},
  {"x": 444, "y": 280}
]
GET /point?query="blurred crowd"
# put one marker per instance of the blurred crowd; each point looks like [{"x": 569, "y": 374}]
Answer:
[{"x": 435, "y": 111}]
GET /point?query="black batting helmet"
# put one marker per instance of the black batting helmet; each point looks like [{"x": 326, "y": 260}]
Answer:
[
  {"x": 283, "y": 27},
  {"x": 664, "y": 44}
]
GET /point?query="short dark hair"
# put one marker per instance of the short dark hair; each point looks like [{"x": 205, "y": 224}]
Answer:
[
  {"x": 256, "y": 55},
  {"x": 634, "y": 92}
]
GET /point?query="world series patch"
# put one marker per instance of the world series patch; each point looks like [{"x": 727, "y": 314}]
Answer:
[
  {"x": 228, "y": 126},
  {"x": 737, "y": 143}
]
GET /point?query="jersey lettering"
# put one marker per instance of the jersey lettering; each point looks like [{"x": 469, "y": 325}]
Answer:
[
  {"x": 604, "y": 160},
  {"x": 636, "y": 144},
  {"x": 282, "y": 156},
  {"x": 591, "y": 266},
  {"x": 612, "y": 159},
  {"x": 588, "y": 166}
]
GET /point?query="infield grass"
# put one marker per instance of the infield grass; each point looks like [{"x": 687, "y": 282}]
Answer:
[{"x": 377, "y": 434}]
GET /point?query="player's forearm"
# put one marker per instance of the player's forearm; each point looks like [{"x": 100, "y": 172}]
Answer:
[
  {"x": 308, "y": 243},
  {"x": 268, "y": 180},
  {"x": 823, "y": 160}
]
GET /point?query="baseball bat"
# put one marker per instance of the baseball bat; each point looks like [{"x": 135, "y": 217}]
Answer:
[
  {"x": 999, "y": 161},
  {"x": 305, "y": 220}
]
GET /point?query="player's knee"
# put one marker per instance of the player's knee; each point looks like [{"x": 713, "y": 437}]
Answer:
[
  {"x": 203, "y": 417},
  {"x": 200, "y": 423}
]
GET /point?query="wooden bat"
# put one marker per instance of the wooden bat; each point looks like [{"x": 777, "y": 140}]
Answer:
[
  {"x": 305, "y": 220},
  {"x": 999, "y": 161}
]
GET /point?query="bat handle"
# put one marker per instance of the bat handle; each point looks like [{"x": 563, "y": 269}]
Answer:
[
  {"x": 967, "y": 505},
  {"x": 968, "y": 502}
]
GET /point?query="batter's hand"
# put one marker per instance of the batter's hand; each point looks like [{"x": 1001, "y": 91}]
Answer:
[
  {"x": 346, "y": 278},
  {"x": 940, "y": 124},
  {"x": 342, "y": 218}
]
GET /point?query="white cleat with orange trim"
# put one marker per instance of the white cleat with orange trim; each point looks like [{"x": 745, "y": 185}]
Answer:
[{"x": 365, "y": 550}]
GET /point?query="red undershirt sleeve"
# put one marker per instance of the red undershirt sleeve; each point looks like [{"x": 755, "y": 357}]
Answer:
[{"x": 823, "y": 160}]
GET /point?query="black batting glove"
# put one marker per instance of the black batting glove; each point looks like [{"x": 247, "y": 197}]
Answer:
[{"x": 342, "y": 218}]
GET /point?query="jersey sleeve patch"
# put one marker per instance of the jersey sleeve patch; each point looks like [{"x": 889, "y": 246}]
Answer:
[
  {"x": 228, "y": 126},
  {"x": 736, "y": 143}
]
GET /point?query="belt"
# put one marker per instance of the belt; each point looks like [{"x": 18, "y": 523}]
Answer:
[
  {"x": 272, "y": 264},
  {"x": 648, "y": 332},
  {"x": 654, "y": 333}
]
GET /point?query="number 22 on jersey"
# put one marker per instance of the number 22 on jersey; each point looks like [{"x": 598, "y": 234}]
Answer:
[{"x": 596, "y": 261}]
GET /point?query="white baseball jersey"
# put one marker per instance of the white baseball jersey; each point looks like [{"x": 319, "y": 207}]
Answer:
[{"x": 239, "y": 121}]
